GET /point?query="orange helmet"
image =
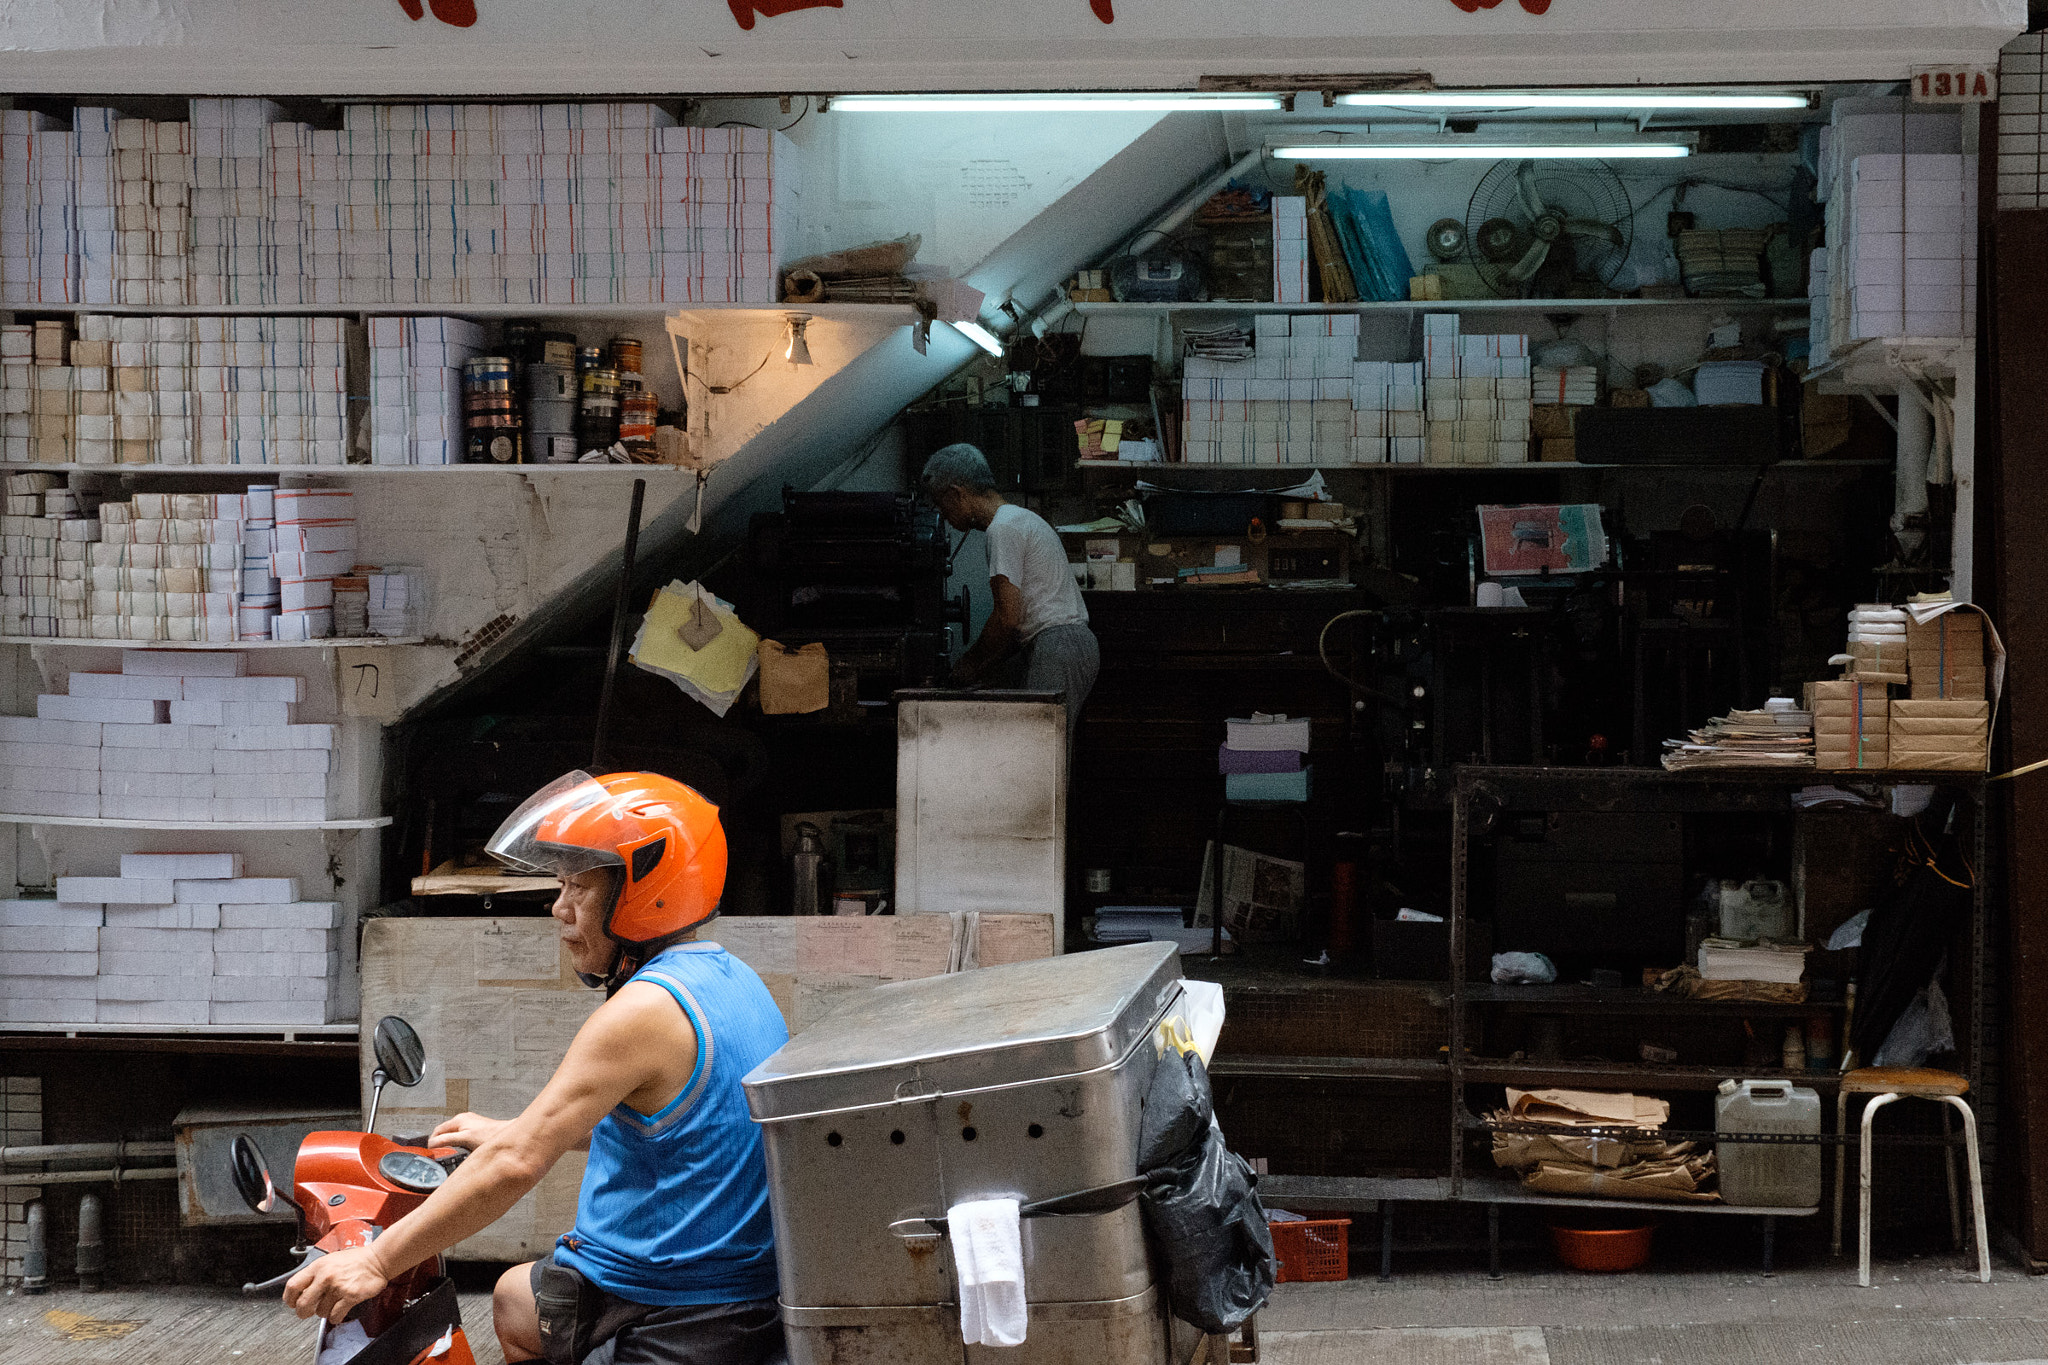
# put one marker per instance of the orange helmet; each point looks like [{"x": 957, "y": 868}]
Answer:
[{"x": 663, "y": 837}]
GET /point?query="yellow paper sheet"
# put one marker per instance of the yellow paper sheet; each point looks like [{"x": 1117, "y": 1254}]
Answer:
[{"x": 721, "y": 666}]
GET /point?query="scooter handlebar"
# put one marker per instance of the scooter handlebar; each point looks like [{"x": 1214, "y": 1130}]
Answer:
[{"x": 276, "y": 1282}]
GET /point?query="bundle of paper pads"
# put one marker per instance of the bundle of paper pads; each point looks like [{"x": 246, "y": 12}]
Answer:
[
  {"x": 1599, "y": 1144},
  {"x": 1265, "y": 758},
  {"x": 1779, "y": 736}
]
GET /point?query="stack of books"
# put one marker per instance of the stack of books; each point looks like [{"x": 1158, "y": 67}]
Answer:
[
  {"x": 1727, "y": 959},
  {"x": 1265, "y": 758}
]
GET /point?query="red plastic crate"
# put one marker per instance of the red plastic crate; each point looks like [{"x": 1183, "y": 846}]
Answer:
[{"x": 1313, "y": 1249}]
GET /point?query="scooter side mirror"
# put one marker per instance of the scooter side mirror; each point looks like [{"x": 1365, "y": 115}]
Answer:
[
  {"x": 401, "y": 1056},
  {"x": 252, "y": 1177}
]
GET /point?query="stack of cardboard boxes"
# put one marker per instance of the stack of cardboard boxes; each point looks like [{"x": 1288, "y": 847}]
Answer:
[{"x": 1943, "y": 722}]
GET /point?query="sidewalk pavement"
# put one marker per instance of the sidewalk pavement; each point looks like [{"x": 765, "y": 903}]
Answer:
[{"x": 1444, "y": 1311}]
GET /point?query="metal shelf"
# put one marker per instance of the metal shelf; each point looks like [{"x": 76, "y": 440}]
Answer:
[
  {"x": 1442, "y": 306},
  {"x": 210, "y": 826},
  {"x": 1747, "y": 471},
  {"x": 330, "y": 642},
  {"x": 1632, "y": 1000}
]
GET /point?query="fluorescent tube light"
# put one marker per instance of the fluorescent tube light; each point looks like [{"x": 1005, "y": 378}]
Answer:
[
  {"x": 1475, "y": 151},
  {"x": 1539, "y": 99},
  {"x": 1165, "y": 101},
  {"x": 980, "y": 336}
]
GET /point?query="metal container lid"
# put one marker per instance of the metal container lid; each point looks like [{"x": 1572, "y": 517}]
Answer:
[{"x": 941, "y": 1035}]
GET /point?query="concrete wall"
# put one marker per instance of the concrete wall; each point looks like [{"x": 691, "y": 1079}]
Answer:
[{"x": 587, "y": 47}]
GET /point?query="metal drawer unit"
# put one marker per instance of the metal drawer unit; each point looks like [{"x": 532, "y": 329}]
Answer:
[{"x": 1021, "y": 1081}]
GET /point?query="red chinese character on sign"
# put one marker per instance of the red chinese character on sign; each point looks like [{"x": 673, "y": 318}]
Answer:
[
  {"x": 1474, "y": 6},
  {"x": 744, "y": 10},
  {"x": 458, "y": 13}
]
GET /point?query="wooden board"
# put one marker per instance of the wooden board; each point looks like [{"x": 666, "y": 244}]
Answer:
[{"x": 496, "y": 1002}]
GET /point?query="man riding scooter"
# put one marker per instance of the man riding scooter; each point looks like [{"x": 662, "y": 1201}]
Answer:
[{"x": 672, "y": 1258}]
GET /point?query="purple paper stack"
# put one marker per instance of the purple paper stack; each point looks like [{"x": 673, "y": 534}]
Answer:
[{"x": 1264, "y": 758}]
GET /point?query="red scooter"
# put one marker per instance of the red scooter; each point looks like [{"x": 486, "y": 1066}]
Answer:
[{"x": 346, "y": 1189}]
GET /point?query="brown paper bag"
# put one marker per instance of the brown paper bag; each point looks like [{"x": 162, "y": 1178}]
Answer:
[{"x": 794, "y": 682}]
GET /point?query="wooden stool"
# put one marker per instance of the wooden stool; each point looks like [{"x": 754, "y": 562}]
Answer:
[{"x": 1883, "y": 1085}]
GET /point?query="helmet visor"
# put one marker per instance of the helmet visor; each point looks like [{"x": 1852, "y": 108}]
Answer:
[{"x": 537, "y": 837}]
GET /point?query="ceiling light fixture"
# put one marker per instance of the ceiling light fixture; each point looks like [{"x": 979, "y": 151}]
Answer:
[
  {"x": 1479, "y": 151},
  {"x": 796, "y": 350},
  {"x": 1549, "y": 99},
  {"x": 1163, "y": 101},
  {"x": 980, "y": 336}
]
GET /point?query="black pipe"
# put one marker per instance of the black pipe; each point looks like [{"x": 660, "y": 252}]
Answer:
[{"x": 620, "y": 604}]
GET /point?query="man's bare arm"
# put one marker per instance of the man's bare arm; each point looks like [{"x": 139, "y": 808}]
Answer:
[
  {"x": 630, "y": 1044},
  {"x": 998, "y": 633}
]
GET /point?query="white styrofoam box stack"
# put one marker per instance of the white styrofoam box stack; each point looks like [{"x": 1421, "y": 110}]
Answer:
[
  {"x": 180, "y": 736},
  {"x": 2020, "y": 126},
  {"x": 1290, "y": 248},
  {"x": 416, "y": 388},
  {"x": 93, "y": 193},
  {"x": 49, "y": 955},
  {"x": 1909, "y": 258}
]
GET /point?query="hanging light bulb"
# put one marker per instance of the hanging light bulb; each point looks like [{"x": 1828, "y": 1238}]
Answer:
[{"x": 797, "y": 351}]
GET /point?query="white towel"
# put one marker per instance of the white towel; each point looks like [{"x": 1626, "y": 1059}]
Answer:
[{"x": 988, "y": 1260}]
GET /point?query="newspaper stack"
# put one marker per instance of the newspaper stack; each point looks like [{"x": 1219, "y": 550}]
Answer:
[
  {"x": 1594, "y": 1143},
  {"x": 1221, "y": 343},
  {"x": 1776, "y": 737}
]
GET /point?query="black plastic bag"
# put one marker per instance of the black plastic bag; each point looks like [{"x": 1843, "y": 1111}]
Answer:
[{"x": 1201, "y": 1207}]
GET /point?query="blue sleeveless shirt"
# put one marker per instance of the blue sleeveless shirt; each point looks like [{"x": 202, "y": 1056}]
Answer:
[{"x": 674, "y": 1205}]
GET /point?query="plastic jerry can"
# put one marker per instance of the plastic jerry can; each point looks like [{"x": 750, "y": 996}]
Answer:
[{"x": 1770, "y": 1175}]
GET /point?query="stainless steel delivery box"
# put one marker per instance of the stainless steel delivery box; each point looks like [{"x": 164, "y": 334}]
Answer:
[{"x": 1022, "y": 1081}]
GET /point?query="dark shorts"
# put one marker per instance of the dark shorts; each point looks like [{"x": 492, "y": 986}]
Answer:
[{"x": 604, "y": 1329}]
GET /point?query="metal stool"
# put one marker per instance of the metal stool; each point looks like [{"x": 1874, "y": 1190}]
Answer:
[{"x": 1883, "y": 1085}]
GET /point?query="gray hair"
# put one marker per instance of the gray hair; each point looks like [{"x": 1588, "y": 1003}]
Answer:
[{"x": 957, "y": 466}]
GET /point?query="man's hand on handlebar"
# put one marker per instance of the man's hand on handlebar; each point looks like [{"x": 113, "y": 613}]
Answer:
[
  {"x": 466, "y": 1130},
  {"x": 333, "y": 1285}
]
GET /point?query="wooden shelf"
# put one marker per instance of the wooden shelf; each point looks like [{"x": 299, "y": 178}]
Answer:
[
  {"x": 1328, "y": 1193},
  {"x": 1632, "y": 1000},
  {"x": 346, "y": 471},
  {"x": 1330, "y": 1068},
  {"x": 330, "y": 642},
  {"x": 1634, "y": 1075},
  {"x": 474, "y": 310},
  {"x": 209, "y": 826}
]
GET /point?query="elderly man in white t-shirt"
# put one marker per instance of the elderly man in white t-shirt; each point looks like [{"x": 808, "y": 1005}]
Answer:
[{"x": 1038, "y": 615}]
